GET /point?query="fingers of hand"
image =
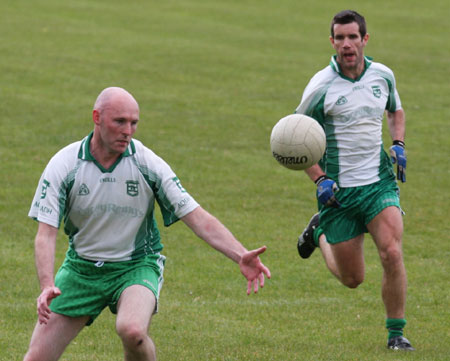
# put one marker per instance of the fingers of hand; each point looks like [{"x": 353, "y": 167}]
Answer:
[
  {"x": 249, "y": 287},
  {"x": 333, "y": 202},
  {"x": 258, "y": 264},
  {"x": 398, "y": 156},
  {"x": 401, "y": 173},
  {"x": 335, "y": 188},
  {"x": 393, "y": 156},
  {"x": 265, "y": 271},
  {"x": 251, "y": 258},
  {"x": 255, "y": 284},
  {"x": 252, "y": 255},
  {"x": 43, "y": 318},
  {"x": 261, "y": 279},
  {"x": 43, "y": 303},
  {"x": 259, "y": 251},
  {"x": 43, "y": 310}
]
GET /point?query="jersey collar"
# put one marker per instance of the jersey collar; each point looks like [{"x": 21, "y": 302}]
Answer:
[
  {"x": 84, "y": 152},
  {"x": 335, "y": 66}
]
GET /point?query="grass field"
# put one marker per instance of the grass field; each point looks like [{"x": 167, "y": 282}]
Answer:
[{"x": 212, "y": 78}]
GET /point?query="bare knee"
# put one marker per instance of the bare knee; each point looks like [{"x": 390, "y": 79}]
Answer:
[
  {"x": 352, "y": 281},
  {"x": 391, "y": 257},
  {"x": 132, "y": 335}
]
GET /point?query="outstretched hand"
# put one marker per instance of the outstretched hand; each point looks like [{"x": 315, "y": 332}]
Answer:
[
  {"x": 253, "y": 269},
  {"x": 43, "y": 303}
]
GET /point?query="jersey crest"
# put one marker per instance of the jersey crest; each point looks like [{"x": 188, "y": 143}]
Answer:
[
  {"x": 341, "y": 100},
  {"x": 83, "y": 190},
  {"x": 132, "y": 188},
  {"x": 376, "y": 91}
]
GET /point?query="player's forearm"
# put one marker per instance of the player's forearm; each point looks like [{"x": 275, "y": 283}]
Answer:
[
  {"x": 213, "y": 232},
  {"x": 221, "y": 239},
  {"x": 314, "y": 172},
  {"x": 45, "y": 244},
  {"x": 397, "y": 124}
]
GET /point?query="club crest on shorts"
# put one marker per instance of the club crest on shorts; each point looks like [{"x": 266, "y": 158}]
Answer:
[{"x": 132, "y": 188}]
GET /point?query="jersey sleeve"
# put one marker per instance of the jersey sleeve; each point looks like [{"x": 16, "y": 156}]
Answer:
[
  {"x": 49, "y": 202},
  {"x": 393, "y": 103},
  {"x": 174, "y": 201},
  {"x": 312, "y": 103},
  {"x": 50, "y": 198},
  {"x": 44, "y": 207}
]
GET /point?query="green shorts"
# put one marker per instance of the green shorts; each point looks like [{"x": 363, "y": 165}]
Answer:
[
  {"x": 87, "y": 287},
  {"x": 359, "y": 205}
]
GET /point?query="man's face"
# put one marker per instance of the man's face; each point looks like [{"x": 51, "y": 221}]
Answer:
[
  {"x": 117, "y": 123},
  {"x": 349, "y": 47}
]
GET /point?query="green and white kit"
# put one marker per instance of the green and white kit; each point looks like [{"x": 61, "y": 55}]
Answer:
[
  {"x": 109, "y": 213},
  {"x": 351, "y": 113}
]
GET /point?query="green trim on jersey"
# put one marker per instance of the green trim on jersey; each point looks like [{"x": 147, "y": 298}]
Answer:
[
  {"x": 154, "y": 182},
  {"x": 147, "y": 231},
  {"x": 336, "y": 67},
  {"x": 85, "y": 154},
  {"x": 330, "y": 160},
  {"x": 110, "y": 216},
  {"x": 149, "y": 226},
  {"x": 64, "y": 191},
  {"x": 391, "y": 104},
  {"x": 351, "y": 111},
  {"x": 315, "y": 109}
]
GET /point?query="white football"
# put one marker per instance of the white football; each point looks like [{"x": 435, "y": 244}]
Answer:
[{"x": 297, "y": 141}]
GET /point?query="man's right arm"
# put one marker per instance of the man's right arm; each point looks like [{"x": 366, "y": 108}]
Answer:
[{"x": 44, "y": 247}]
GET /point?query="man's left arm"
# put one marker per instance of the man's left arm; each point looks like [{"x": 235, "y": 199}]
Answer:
[
  {"x": 397, "y": 128},
  {"x": 213, "y": 232},
  {"x": 397, "y": 124}
]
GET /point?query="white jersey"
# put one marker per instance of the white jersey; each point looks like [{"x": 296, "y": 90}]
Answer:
[
  {"x": 351, "y": 113},
  {"x": 109, "y": 214}
]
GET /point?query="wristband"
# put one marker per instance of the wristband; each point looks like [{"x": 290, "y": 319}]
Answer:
[
  {"x": 320, "y": 179},
  {"x": 401, "y": 143}
]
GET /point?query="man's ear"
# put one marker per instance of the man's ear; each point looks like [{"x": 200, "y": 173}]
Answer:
[
  {"x": 365, "y": 39},
  {"x": 96, "y": 117}
]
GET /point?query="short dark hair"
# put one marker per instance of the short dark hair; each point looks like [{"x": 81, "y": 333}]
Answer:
[{"x": 347, "y": 17}]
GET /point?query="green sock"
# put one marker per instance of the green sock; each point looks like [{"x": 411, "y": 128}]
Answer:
[{"x": 395, "y": 326}]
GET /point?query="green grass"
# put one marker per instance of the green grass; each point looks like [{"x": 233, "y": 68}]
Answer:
[{"x": 212, "y": 78}]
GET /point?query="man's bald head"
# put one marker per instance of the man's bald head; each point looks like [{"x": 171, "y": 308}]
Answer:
[
  {"x": 115, "y": 117},
  {"x": 113, "y": 95}
]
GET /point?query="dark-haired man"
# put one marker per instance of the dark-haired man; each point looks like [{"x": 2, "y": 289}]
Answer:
[{"x": 356, "y": 186}]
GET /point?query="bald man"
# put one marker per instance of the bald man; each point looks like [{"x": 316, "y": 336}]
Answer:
[{"x": 105, "y": 187}]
